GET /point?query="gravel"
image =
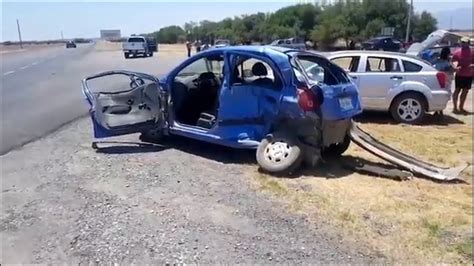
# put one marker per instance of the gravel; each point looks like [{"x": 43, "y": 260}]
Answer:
[{"x": 183, "y": 202}]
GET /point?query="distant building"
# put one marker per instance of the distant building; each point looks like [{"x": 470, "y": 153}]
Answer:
[{"x": 110, "y": 34}]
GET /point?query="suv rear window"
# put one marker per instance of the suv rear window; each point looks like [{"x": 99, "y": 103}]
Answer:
[
  {"x": 136, "y": 40},
  {"x": 411, "y": 67},
  {"x": 320, "y": 70}
]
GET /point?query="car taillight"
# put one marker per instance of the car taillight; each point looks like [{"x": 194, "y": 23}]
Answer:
[
  {"x": 442, "y": 78},
  {"x": 308, "y": 100}
]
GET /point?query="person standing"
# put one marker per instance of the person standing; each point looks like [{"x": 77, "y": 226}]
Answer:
[
  {"x": 443, "y": 64},
  {"x": 198, "y": 46},
  {"x": 188, "y": 47},
  {"x": 463, "y": 61}
]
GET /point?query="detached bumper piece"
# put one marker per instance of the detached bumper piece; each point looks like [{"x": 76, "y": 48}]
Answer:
[{"x": 402, "y": 160}]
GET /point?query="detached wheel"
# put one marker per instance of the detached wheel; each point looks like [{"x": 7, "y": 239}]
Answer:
[
  {"x": 409, "y": 108},
  {"x": 337, "y": 149},
  {"x": 279, "y": 154}
]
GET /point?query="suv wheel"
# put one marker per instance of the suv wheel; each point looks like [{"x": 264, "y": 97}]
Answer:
[
  {"x": 126, "y": 55},
  {"x": 409, "y": 108},
  {"x": 280, "y": 153}
]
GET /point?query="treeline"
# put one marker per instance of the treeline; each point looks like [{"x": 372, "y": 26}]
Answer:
[{"x": 354, "y": 20}]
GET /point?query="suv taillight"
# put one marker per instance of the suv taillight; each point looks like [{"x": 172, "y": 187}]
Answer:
[
  {"x": 307, "y": 100},
  {"x": 442, "y": 78}
]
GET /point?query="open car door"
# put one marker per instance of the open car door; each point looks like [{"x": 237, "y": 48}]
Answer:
[{"x": 139, "y": 107}]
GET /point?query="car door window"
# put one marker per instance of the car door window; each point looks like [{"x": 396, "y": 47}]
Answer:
[
  {"x": 348, "y": 63},
  {"x": 382, "y": 64},
  {"x": 411, "y": 67},
  {"x": 245, "y": 73}
]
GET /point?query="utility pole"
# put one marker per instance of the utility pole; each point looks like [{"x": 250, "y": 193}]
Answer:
[
  {"x": 451, "y": 22},
  {"x": 19, "y": 33},
  {"x": 62, "y": 36},
  {"x": 410, "y": 11}
]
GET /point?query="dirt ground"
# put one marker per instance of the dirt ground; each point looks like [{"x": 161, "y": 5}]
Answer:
[{"x": 17, "y": 48}]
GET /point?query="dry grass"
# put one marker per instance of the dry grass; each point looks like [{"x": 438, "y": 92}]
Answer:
[{"x": 416, "y": 221}]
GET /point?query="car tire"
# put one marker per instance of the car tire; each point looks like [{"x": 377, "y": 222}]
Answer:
[
  {"x": 151, "y": 54},
  {"x": 280, "y": 153},
  {"x": 337, "y": 149},
  {"x": 409, "y": 108},
  {"x": 126, "y": 55}
]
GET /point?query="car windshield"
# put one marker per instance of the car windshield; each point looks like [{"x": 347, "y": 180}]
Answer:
[
  {"x": 136, "y": 40},
  {"x": 220, "y": 42}
]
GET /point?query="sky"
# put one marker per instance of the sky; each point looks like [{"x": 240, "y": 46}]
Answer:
[{"x": 43, "y": 20}]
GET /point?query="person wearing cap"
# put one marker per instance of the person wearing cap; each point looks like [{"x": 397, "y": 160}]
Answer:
[{"x": 463, "y": 62}]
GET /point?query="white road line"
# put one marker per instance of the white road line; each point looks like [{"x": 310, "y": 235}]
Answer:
[
  {"x": 8, "y": 73},
  {"x": 24, "y": 67},
  {"x": 34, "y": 63}
]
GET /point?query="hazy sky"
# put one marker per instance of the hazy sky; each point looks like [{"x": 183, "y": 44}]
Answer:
[{"x": 41, "y": 20}]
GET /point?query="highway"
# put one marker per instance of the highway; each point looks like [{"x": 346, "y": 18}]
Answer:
[{"x": 41, "y": 88}]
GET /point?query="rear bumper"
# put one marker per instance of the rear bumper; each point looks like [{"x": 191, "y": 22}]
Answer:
[
  {"x": 134, "y": 51},
  {"x": 439, "y": 100}
]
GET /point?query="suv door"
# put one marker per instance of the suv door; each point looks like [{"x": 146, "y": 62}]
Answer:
[
  {"x": 379, "y": 75},
  {"x": 137, "y": 109}
]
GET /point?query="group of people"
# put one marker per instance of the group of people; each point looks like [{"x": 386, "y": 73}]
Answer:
[
  {"x": 199, "y": 46},
  {"x": 459, "y": 65}
]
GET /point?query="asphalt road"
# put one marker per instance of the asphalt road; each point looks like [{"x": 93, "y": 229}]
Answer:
[{"x": 40, "y": 89}]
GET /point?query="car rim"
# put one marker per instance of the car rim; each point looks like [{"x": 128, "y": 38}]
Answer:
[
  {"x": 277, "y": 151},
  {"x": 409, "y": 109}
]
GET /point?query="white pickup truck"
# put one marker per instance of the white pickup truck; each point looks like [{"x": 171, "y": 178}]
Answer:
[{"x": 137, "y": 45}]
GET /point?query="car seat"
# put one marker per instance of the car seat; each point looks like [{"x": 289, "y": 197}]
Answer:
[{"x": 259, "y": 70}]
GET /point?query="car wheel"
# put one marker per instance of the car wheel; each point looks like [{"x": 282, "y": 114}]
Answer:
[
  {"x": 151, "y": 54},
  {"x": 337, "y": 149},
  {"x": 126, "y": 55},
  {"x": 279, "y": 153},
  {"x": 409, "y": 108}
]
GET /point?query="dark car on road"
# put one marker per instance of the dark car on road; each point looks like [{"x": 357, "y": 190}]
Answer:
[
  {"x": 383, "y": 44},
  {"x": 71, "y": 44}
]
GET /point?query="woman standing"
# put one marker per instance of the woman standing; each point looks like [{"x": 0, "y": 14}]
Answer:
[{"x": 443, "y": 64}]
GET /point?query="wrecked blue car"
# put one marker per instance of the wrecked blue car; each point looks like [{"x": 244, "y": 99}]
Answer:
[{"x": 292, "y": 106}]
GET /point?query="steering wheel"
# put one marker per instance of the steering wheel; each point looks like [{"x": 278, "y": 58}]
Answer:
[
  {"x": 136, "y": 82},
  {"x": 206, "y": 78}
]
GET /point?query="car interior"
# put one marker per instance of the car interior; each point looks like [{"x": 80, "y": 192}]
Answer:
[{"x": 195, "y": 91}]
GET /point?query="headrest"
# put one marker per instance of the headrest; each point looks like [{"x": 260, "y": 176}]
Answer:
[{"x": 259, "y": 69}]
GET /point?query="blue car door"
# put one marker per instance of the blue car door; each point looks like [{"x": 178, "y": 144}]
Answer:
[
  {"x": 139, "y": 107},
  {"x": 249, "y": 102}
]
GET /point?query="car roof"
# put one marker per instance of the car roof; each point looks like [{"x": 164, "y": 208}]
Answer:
[
  {"x": 376, "y": 53},
  {"x": 257, "y": 48},
  {"x": 370, "y": 52}
]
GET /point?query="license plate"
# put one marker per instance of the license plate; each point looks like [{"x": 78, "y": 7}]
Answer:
[{"x": 346, "y": 103}]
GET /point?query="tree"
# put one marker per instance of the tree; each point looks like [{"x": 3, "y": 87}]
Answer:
[
  {"x": 423, "y": 25},
  {"x": 169, "y": 34}
]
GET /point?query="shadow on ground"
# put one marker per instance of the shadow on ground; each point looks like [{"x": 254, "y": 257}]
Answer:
[
  {"x": 198, "y": 148},
  {"x": 385, "y": 118},
  {"x": 330, "y": 168}
]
